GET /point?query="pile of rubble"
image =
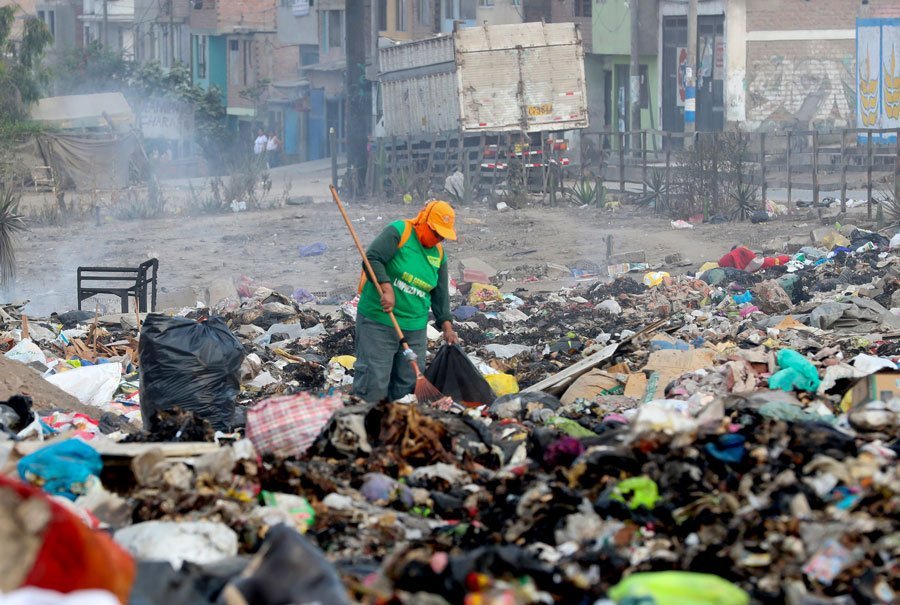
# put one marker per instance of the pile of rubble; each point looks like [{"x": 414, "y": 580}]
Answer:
[{"x": 727, "y": 437}]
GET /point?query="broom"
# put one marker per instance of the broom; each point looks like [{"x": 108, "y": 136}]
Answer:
[{"x": 424, "y": 391}]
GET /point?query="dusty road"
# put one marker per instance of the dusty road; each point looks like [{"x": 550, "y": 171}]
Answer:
[{"x": 193, "y": 251}]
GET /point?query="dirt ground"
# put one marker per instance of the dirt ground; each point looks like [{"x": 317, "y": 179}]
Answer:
[{"x": 194, "y": 251}]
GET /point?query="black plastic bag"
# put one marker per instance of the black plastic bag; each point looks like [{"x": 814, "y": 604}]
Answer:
[
  {"x": 287, "y": 569},
  {"x": 454, "y": 375},
  {"x": 192, "y": 366}
]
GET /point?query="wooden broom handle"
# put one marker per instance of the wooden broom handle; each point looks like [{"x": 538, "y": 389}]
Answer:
[{"x": 369, "y": 271}]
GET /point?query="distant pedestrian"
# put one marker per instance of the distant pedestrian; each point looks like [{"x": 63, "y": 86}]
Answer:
[
  {"x": 273, "y": 146},
  {"x": 259, "y": 145}
]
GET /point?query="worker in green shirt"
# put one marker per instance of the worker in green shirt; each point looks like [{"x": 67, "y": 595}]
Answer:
[{"x": 411, "y": 269}]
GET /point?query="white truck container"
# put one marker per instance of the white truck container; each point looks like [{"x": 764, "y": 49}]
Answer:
[{"x": 525, "y": 77}]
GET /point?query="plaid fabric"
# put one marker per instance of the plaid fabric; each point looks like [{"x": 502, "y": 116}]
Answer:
[{"x": 288, "y": 424}]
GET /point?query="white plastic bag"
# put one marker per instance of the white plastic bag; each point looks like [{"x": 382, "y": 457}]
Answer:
[
  {"x": 199, "y": 542},
  {"x": 26, "y": 352},
  {"x": 91, "y": 385}
]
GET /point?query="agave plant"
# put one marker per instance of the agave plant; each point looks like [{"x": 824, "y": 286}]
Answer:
[
  {"x": 745, "y": 196},
  {"x": 582, "y": 193},
  {"x": 656, "y": 190},
  {"x": 11, "y": 223}
]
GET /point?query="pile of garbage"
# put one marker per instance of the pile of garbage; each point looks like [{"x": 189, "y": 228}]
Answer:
[{"x": 724, "y": 437}]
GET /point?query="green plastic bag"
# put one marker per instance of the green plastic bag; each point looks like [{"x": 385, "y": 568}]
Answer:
[
  {"x": 570, "y": 427},
  {"x": 797, "y": 373},
  {"x": 637, "y": 491},
  {"x": 678, "y": 588}
]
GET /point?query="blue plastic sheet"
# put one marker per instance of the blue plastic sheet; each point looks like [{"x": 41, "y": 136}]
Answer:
[{"x": 61, "y": 469}]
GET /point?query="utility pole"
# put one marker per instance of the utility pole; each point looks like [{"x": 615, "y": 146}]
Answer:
[
  {"x": 690, "y": 79},
  {"x": 105, "y": 35},
  {"x": 171, "y": 36},
  {"x": 358, "y": 109},
  {"x": 635, "y": 77}
]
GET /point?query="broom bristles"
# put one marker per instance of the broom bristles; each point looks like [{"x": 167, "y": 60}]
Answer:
[{"x": 426, "y": 392}]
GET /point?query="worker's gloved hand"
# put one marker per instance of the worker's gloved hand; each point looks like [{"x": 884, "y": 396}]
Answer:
[
  {"x": 450, "y": 335},
  {"x": 387, "y": 297}
]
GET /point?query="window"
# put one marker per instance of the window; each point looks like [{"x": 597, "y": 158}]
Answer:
[
  {"x": 382, "y": 15},
  {"x": 247, "y": 75},
  {"x": 201, "y": 56},
  {"x": 49, "y": 19},
  {"x": 423, "y": 11},
  {"x": 309, "y": 54},
  {"x": 402, "y": 15},
  {"x": 583, "y": 8},
  {"x": 335, "y": 29},
  {"x": 234, "y": 61},
  {"x": 486, "y": 3},
  {"x": 467, "y": 10}
]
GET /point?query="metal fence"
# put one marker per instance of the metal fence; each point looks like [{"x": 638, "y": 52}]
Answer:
[{"x": 819, "y": 162}]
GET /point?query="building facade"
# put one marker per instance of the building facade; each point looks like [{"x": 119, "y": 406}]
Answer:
[
  {"x": 161, "y": 32},
  {"x": 110, "y": 24}
]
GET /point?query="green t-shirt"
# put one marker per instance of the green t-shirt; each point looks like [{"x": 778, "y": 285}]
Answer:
[{"x": 417, "y": 274}]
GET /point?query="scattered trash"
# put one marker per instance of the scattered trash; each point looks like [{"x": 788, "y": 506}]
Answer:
[
  {"x": 316, "y": 249},
  {"x": 725, "y": 436}
]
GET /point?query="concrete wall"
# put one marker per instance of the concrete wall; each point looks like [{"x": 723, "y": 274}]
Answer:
[
  {"x": 297, "y": 30},
  {"x": 797, "y": 61},
  {"x": 612, "y": 28},
  {"x": 563, "y": 11},
  {"x": 66, "y": 35},
  {"x": 223, "y": 16},
  {"x": 503, "y": 11},
  {"x": 807, "y": 84}
]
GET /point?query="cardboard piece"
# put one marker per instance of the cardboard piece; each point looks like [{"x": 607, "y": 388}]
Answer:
[
  {"x": 590, "y": 385},
  {"x": 883, "y": 385},
  {"x": 664, "y": 367}
]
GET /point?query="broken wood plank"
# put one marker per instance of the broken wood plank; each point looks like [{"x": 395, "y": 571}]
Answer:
[
  {"x": 558, "y": 382},
  {"x": 129, "y": 450}
]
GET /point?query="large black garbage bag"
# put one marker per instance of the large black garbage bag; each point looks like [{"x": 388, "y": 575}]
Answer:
[
  {"x": 287, "y": 569},
  {"x": 454, "y": 375},
  {"x": 190, "y": 365}
]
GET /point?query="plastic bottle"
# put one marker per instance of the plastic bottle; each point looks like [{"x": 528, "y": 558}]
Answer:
[{"x": 867, "y": 247}]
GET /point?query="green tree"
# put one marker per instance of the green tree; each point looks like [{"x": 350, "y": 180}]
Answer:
[{"x": 22, "y": 74}]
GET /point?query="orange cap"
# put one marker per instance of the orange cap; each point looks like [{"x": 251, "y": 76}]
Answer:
[{"x": 442, "y": 218}]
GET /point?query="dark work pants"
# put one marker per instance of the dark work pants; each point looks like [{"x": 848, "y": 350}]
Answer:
[{"x": 381, "y": 370}]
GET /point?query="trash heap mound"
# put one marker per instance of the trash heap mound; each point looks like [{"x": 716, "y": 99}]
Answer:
[{"x": 725, "y": 437}]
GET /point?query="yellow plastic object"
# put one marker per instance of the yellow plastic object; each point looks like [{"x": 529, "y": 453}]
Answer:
[
  {"x": 348, "y": 361},
  {"x": 502, "y": 384},
  {"x": 678, "y": 588},
  {"x": 707, "y": 266},
  {"x": 654, "y": 278},
  {"x": 484, "y": 293},
  {"x": 834, "y": 240}
]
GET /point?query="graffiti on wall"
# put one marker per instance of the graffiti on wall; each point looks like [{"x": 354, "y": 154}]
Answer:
[
  {"x": 878, "y": 74},
  {"x": 801, "y": 92}
]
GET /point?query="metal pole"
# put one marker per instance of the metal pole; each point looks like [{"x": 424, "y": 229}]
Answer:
[
  {"x": 897, "y": 170},
  {"x": 762, "y": 159},
  {"x": 171, "y": 35},
  {"x": 105, "y": 35},
  {"x": 622, "y": 161},
  {"x": 332, "y": 142},
  {"x": 668, "y": 168},
  {"x": 815, "y": 167},
  {"x": 635, "y": 74},
  {"x": 789, "y": 169},
  {"x": 844, "y": 170},
  {"x": 869, "y": 174},
  {"x": 644, "y": 160},
  {"x": 690, "y": 80}
]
